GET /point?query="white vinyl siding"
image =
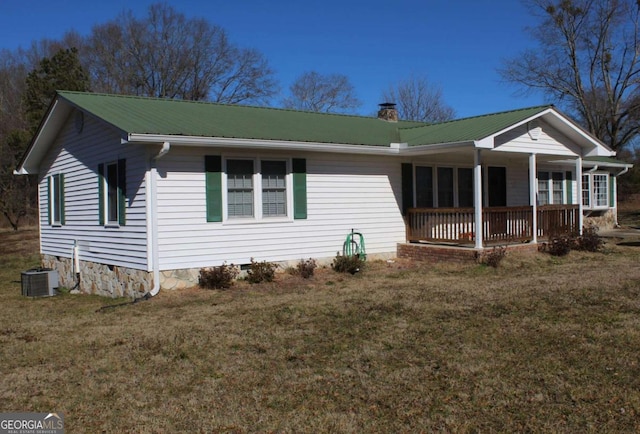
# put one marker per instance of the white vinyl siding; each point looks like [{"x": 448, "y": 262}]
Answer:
[
  {"x": 77, "y": 156},
  {"x": 342, "y": 194}
]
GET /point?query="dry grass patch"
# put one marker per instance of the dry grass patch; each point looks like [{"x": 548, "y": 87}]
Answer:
[{"x": 538, "y": 344}]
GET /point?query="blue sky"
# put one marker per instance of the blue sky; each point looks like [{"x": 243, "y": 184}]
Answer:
[{"x": 457, "y": 45}]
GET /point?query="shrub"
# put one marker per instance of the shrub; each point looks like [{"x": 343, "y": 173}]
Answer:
[
  {"x": 494, "y": 257},
  {"x": 218, "y": 277},
  {"x": 589, "y": 241},
  {"x": 560, "y": 246},
  {"x": 261, "y": 271},
  {"x": 347, "y": 264},
  {"x": 305, "y": 268}
]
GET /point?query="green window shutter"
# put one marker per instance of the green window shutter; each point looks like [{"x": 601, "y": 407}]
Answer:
[
  {"x": 50, "y": 205},
  {"x": 299, "y": 188},
  {"x": 407, "y": 187},
  {"x": 612, "y": 190},
  {"x": 61, "y": 195},
  {"x": 122, "y": 192},
  {"x": 569, "y": 181},
  {"x": 101, "y": 194},
  {"x": 213, "y": 186}
]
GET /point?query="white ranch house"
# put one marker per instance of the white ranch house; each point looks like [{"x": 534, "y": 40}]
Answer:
[{"x": 138, "y": 194}]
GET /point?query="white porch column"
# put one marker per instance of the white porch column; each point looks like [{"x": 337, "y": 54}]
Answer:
[
  {"x": 533, "y": 196},
  {"x": 477, "y": 196},
  {"x": 579, "y": 192}
]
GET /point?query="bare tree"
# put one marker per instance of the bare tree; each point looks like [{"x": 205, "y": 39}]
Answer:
[
  {"x": 314, "y": 92},
  {"x": 587, "y": 61},
  {"x": 168, "y": 55},
  {"x": 419, "y": 100}
]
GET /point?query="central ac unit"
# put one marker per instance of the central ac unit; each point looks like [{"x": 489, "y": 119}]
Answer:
[{"x": 39, "y": 282}]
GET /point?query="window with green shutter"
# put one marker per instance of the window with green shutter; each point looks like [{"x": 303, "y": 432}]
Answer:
[
  {"x": 55, "y": 189},
  {"x": 299, "y": 188},
  {"x": 255, "y": 189},
  {"x": 213, "y": 187},
  {"x": 112, "y": 193}
]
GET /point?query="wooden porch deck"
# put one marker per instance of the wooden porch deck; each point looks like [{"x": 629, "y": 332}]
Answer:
[{"x": 500, "y": 225}]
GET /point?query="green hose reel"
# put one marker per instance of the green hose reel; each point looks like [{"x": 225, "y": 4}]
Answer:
[{"x": 354, "y": 245}]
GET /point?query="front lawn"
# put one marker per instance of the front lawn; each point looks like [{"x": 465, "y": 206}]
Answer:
[{"x": 538, "y": 344}]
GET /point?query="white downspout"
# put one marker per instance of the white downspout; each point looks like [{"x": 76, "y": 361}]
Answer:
[{"x": 153, "y": 198}]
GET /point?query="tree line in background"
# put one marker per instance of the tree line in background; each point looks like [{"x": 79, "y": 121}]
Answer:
[{"x": 586, "y": 62}]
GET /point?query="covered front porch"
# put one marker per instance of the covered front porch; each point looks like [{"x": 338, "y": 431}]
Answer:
[{"x": 498, "y": 225}]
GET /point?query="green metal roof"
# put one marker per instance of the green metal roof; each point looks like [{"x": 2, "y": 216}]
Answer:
[
  {"x": 606, "y": 161},
  {"x": 141, "y": 115},
  {"x": 190, "y": 118},
  {"x": 467, "y": 129}
]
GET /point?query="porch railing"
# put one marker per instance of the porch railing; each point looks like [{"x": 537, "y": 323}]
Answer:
[
  {"x": 556, "y": 220},
  {"x": 500, "y": 224}
]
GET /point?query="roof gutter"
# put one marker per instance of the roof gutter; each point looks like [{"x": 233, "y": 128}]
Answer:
[
  {"x": 261, "y": 143},
  {"x": 391, "y": 149},
  {"x": 153, "y": 205}
]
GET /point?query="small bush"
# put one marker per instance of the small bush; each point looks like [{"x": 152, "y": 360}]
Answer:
[
  {"x": 347, "y": 264},
  {"x": 589, "y": 241},
  {"x": 305, "y": 268},
  {"x": 560, "y": 246},
  {"x": 494, "y": 257},
  {"x": 221, "y": 277},
  {"x": 261, "y": 271}
]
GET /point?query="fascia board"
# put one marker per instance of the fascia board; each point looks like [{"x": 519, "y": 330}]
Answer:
[{"x": 55, "y": 117}]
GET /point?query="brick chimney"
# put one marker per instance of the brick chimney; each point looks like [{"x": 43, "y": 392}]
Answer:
[{"x": 388, "y": 112}]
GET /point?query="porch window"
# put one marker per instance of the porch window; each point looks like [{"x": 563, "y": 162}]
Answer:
[
  {"x": 424, "y": 187},
  {"x": 465, "y": 188},
  {"x": 550, "y": 188},
  {"x": 445, "y": 187},
  {"x": 240, "y": 188},
  {"x": 543, "y": 188}
]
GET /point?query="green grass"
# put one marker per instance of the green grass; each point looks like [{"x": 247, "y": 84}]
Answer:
[{"x": 539, "y": 344}]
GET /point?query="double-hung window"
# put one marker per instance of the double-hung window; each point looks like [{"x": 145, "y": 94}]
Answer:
[
  {"x": 56, "y": 199},
  {"x": 274, "y": 188},
  {"x": 255, "y": 189},
  {"x": 240, "y": 188},
  {"x": 444, "y": 187},
  {"x": 112, "y": 193},
  {"x": 550, "y": 188}
]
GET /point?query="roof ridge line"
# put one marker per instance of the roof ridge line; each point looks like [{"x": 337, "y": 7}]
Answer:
[
  {"x": 281, "y": 109},
  {"x": 480, "y": 116}
]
